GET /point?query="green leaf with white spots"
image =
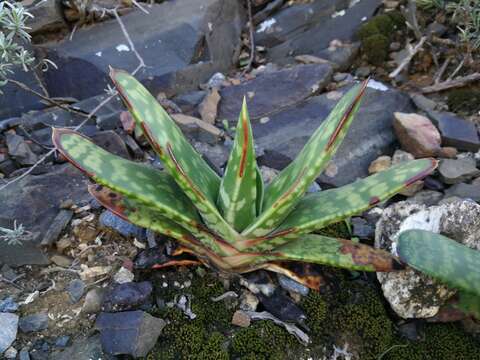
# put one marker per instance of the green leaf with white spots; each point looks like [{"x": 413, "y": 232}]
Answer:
[
  {"x": 238, "y": 189},
  {"x": 318, "y": 210},
  {"x": 192, "y": 234},
  {"x": 441, "y": 258},
  {"x": 285, "y": 190},
  {"x": 133, "y": 180},
  {"x": 340, "y": 253},
  {"x": 197, "y": 180}
]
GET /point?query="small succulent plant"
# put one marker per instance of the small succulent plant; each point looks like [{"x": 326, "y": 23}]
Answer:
[
  {"x": 445, "y": 260},
  {"x": 235, "y": 223}
]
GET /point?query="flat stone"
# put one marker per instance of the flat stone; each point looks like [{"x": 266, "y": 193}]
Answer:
[
  {"x": 33, "y": 202},
  {"x": 82, "y": 349},
  {"x": 61, "y": 260},
  {"x": 273, "y": 91},
  {"x": 369, "y": 136},
  {"x": 10, "y": 353},
  {"x": 19, "y": 149},
  {"x": 126, "y": 296},
  {"x": 341, "y": 25},
  {"x": 24, "y": 355},
  {"x": 464, "y": 191},
  {"x": 195, "y": 40},
  {"x": 110, "y": 220},
  {"x": 131, "y": 332},
  {"x": 93, "y": 301},
  {"x": 362, "y": 229},
  {"x": 454, "y": 171},
  {"x": 426, "y": 197},
  {"x": 209, "y": 106},
  {"x": 8, "y": 305},
  {"x": 76, "y": 289},
  {"x": 292, "y": 285},
  {"x": 9, "y": 325},
  {"x": 33, "y": 323},
  {"x": 417, "y": 134},
  {"x": 197, "y": 129},
  {"x": 112, "y": 142},
  {"x": 456, "y": 132},
  {"x": 56, "y": 227},
  {"x": 47, "y": 16},
  {"x": 423, "y": 103}
]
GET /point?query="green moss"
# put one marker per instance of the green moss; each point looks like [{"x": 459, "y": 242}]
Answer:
[
  {"x": 381, "y": 24},
  {"x": 338, "y": 229},
  {"x": 397, "y": 18},
  {"x": 464, "y": 101},
  {"x": 265, "y": 340},
  {"x": 375, "y": 47},
  {"x": 316, "y": 308},
  {"x": 441, "y": 342},
  {"x": 363, "y": 321}
]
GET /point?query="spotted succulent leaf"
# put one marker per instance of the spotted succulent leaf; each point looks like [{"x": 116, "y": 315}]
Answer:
[
  {"x": 324, "y": 250},
  {"x": 238, "y": 189},
  {"x": 442, "y": 258},
  {"x": 197, "y": 180},
  {"x": 285, "y": 190},
  {"x": 318, "y": 210},
  {"x": 469, "y": 304}
]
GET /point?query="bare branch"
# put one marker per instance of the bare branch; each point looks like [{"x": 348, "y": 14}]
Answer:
[
  {"x": 411, "y": 53},
  {"x": 459, "y": 82}
]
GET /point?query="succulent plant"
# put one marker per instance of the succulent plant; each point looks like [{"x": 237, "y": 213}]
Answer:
[{"x": 235, "y": 223}]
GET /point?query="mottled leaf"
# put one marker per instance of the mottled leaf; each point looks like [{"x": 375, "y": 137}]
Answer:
[
  {"x": 238, "y": 189},
  {"x": 197, "y": 180},
  {"x": 469, "y": 304},
  {"x": 318, "y": 210},
  {"x": 341, "y": 253},
  {"x": 441, "y": 258},
  {"x": 286, "y": 189}
]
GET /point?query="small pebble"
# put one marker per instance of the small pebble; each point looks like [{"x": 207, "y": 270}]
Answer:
[
  {"x": 75, "y": 289},
  {"x": 33, "y": 323},
  {"x": 10, "y": 353},
  {"x": 240, "y": 318},
  {"x": 8, "y": 305}
]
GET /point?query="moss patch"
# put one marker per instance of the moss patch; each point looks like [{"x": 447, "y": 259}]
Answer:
[{"x": 464, "y": 101}]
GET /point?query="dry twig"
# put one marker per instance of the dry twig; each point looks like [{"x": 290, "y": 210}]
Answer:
[
  {"x": 449, "y": 84},
  {"x": 411, "y": 53}
]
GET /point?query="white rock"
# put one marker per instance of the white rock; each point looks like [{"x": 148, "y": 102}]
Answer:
[
  {"x": 412, "y": 294},
  {"x": 123, "y": 276}
]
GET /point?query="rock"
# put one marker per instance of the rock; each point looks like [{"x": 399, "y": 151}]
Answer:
[
  {"x": 9, "y": 325},
  {"x": 33, "y": 323},
  {"x": 23, "y": 355},
  {"x": 456, "y": 132},
  {"x": 292, "y": 285},
  {"x": 379, "y": 164},
  {"x": 56, "y": 227},
  {"x": 47, "y": 17},
  {"x": 240, "y": 318},
  {"x": 112, "y": 142},
  {"x": 82, "y": 349},
  {"x": 195, "y": 40},
  {"x": 465, "y": 191},
  {"x": 197, "y": 129},
  {"x": 8, "y": 305},
  {"x": 417, "y": 134},
  {"x": 410, "y": 293},
  {"x": 62, "y": 341},
  {"x": 426, "y": 197},
  {"x": 126, "y": 296},
  {"x": 341, "y": 24},
  {"x": 209, "y": 106},
  {"x": 20, "y": 150},
  {"x": 33, "y": 202},
  {"x": 340, "y": 56},
  {"x": 423, "y": 103},
  {"x": 76, "y": 289},
  {"x": 123, "y": 276},
  {"x": 10, "y": 353},
  {"x": 61, "y": 260},
  {"x": 432, "y": 183},
  {"x": 448, "y": 152},
  {"x": 214, "y": 155},
  {"x": 273, "y": 91},
  {"x": 110, "y": 220},
  {"x": 132, "y": 332},
  {"x": 282, "y": 307},
  {"x": 363, "y": 71},
  {"x": 189, "y": 101},
  {"x": 369, "y": 136},
  {"x": 362, "y": 229},
  {"x": 454, "y": 171},
  {"x": 93, "y": 301},
  {"x": 248, "y": 301}
]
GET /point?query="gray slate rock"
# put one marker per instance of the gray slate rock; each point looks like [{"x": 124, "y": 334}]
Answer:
[
  {"x": 112, "y": 221},
  {"x": 20, "y": 150},
  {"x": 83, "y": 348},
  {"x": 318, "y": 37},
  {"x": 47, "y": 16},
  {"x": 370, "y": 135},
  {"x": 33, "y": 323},
  {"x": 33, "y": 202},
  {"x": 426, "y": 197},
  {"x": 76, "y": 289},
  {"x": 273, "y": 91},
  {"x": 9, "y": 326},
  {"x": 131, "y": 332},
  {"x": 182, "y": 43},
  {"x": 8, "y": 305},
  {"x": 464, "y": 191},
  {"x": 24, "y": 355},
  {"x": 58, "y": 224},
  {"x": 454, "y": 171},
  {"x": 127, "y": 296},
  {"x": 456, "y": 132}
]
